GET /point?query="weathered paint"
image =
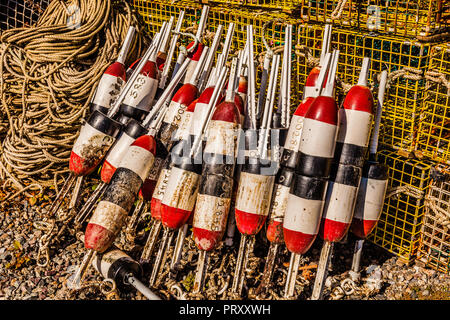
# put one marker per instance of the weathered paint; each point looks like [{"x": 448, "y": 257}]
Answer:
[
  {"x": 370, "y": 200},
  {"x": 89, "y": 149},
  {"x": 180, "y": 196},
  {"x": 340, "y": 203},
  {"x": 210, "y": 219},
  {"x": 253, "y": 202},
  {"x": 158, "y": 194},
  {"x": 280, "y": 195},
  {"x": 107, "y": 91}
]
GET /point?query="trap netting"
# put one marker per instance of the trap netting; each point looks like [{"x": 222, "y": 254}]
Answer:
[{"x": 20, "y": 13}]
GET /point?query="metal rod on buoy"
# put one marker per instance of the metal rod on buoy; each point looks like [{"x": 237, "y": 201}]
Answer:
[
  {"x": 172, "y": 47},
  {"x": 294, "y": 263},
  {"x": 165, "y": 243},
  {"x": 322, "y": 270},
  {"x": 200, "y": 271}
]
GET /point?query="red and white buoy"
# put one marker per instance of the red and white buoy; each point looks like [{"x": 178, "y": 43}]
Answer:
[
  {"x": 138, "y": 101},
  {"x": 216, "y": 184},
  {"x": 95, "y": 138},
  {"x": 256, "y": 181},
  {"x": 316, "y": 150},
  {"x": 112, "y": 79},
  {"x": 372, "y": 189},
  {"x": 355, "y": 118},
  {"x": 117, "y": 201},
  {"x": 119, "y": 197},
  {"x": 132, "y": 131},
  {"x": 180, "y": 101}
]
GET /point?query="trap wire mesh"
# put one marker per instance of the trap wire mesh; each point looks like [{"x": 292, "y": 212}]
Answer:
[
  {"x": 20, "y": 13},
  {"x": 399, "y": 227},
  {"x": 406, "y": 62},
  {"x": 407, "y": 18},
  {"x": 435, "y": 241}
]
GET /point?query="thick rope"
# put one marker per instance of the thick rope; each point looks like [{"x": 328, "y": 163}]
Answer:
[
  {"x": 49, "y": 74},
  {"x": 337, "y": 13}
]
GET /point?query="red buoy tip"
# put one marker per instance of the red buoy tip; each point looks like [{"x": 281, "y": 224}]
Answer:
[
  {"x": 205, "y": 239},
  {"x": 359, "y": 98},
  {"x": 155, "y": 209},
  {"x": 197, "y": 53},
  {"x": 298, "y": 242},
  {"x": 274, "y": 232},
  {"x": 333, "y": 231},
  {"x": 146, "y": 142},
  {"x": 304, "y": 107},
  {"x": 80, "y": 167},
  {"x": 117, "y": 70},
  {"x": 97, "y": 237},
  {"x": 362, "y": 228},
  {"x": 206, "y": 95},
  {"x": 249, "y": 223},
  {"x": 227, "y": 111},
  {"x": 323, "y": 109},
  {"x": 186, "y": 94},
  {"x": 107, "y": 171},
  {"x": 174, "y": 218},
  {"x": 191, "y": 106}
]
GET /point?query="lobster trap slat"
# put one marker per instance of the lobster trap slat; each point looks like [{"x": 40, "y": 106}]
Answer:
[
  {"x": 399, "y": 227},
  {"x": 434, "y": 128},
  {"x": 435, "y": 241},
  {"x": 417, "y": 18},
  {"x": 406, "y": 62}
]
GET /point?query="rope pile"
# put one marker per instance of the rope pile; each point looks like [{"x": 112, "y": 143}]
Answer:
[{"x": 48, "y": 75}]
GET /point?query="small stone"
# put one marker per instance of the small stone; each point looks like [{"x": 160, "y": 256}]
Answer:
[{"x": 426, "y": 293}]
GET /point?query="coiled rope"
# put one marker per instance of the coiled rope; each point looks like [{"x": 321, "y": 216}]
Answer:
[{"x": 48, "y": 74}]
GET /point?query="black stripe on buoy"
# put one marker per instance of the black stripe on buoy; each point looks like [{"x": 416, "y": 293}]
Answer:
[
  {"x": 133, "y": 112},
  {"x": 313, "y": 166},
  {"x": 348, "y": 175},
  {"x": 310, "y": 188},
  {"x": 104, "y": 124},
  {"x": 375, "y": 170},
  {"x": 123, "y": 188},
  {"x": 350, "y": 154}
]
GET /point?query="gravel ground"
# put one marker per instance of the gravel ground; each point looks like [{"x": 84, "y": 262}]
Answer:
[{"x": 383, "y": 275}]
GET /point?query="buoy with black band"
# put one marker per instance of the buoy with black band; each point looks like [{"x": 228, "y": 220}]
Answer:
[
  {"x": 355, "y": 116},
  {"x": 183, "y": 184},
  {"x": 116, "y": 265},
  {"x": 95, "y": 138},
  {"x": 256, "y": 180},
  {"x": 132, "y": 131},
  {"x": 180, "y": 101},
  {"x": 307, "y": 194},
  {"x": 139, "y": 100},
  {"x": 125, "y": 184},
  {"x": 372, "y": 189},
  {"x": 112, "y": 79},
  {"x": 216, "y": 184},
  {"x": 290, "y": 154}
]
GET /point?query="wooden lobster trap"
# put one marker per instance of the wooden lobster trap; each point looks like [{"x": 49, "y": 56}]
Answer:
[{"x": 435, "y": 240}]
